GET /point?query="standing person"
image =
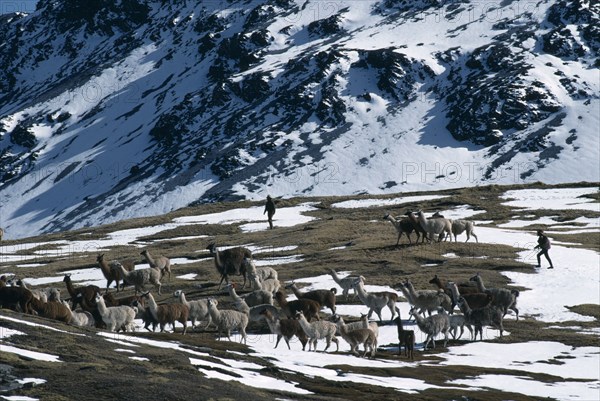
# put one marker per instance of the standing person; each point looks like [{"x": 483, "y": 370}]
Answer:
[
  {"x": 270, "y": 210},
  {"x": 543, "y": 245}
]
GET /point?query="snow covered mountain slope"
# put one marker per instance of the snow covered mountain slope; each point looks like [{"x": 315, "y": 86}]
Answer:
[{"x": 116, "y": 109}]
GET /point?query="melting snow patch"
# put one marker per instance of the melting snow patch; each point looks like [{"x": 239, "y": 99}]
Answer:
[
  {"x": 133, "y": 341},
  {"x": 8, "y": 258},
  {"x": 5, "y": 333},
  {"x": 553, "y": 199},
  {"x": 119, "y": 342},
  {"x": 31, "y": 380},
  {"x": 313, "y": 364},
  {"x": 284, "y": 260},
  {"x": 568, "y": 232},
  {"x": 575, "y": 363},
  {"x": 180, "y": 238},
  {"x": 360, "y": 203},
  {"x": 181, "y": 261},
  {"x": 460, "y": 212},
  {"x": 42, "y": 280},
  {"x": 190, "y": 276},
  {"x": 124, "y": 350},
  {"x": 31, "y": 265},
  {"x": 249, "y": 378},
  {"x": 546, "y": 220},
  {"x": 285, "y": 217},
  {"x": 25, "y": 322},
  {"x": 139, "y": 358},
  {"x": 567, "y": 390},
  {"x": 38, "y": 356},
  {"x": 592, "y": 331},
  {"x": 257, "y": 249},
  {"x": 91, "y": 276}
]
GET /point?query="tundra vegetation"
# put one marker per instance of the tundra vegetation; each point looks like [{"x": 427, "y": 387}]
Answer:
[{"x": 372, "y": 253}]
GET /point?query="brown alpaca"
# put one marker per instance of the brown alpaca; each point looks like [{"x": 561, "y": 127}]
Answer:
[{"x": 406, "y": 338}]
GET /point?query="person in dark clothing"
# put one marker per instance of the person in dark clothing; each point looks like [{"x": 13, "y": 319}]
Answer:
[
  {"x": 543, "y": 245},
  {"x": 270, "y": 210}
]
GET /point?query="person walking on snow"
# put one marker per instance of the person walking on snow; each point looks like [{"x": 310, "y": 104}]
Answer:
[
  {"x": 270, "y": 210},
  {"x": 543, "y": 245}
]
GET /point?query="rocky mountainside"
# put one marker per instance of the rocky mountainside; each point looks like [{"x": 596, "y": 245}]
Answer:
[{"x": 115, "y": 109}]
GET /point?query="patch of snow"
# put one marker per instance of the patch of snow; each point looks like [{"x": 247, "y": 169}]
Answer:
[
  {"x": 365, "y": 203},
  {"x": 18, "y": 398},
  {"x": 273, "y": 249},
  {"x": 31, "y": 265},
  {"x": 533, "y": 356},
  {"x": 249, "y": 378},
  {"x": 545, "y": 220},
  {"x": 545, "y": 287},
  {"x": 6, "y": 333},
  {"x": 553, "y": 199},
  {"x": 182, "y": 261},
  {"x": 283, "y": 260},
  {"x": 338, "y": 248},
  {"x": 190, "y": 276},
  {"x": 284, "y": 217},
  {"x": 139, "y": 358},
  {"x": 124, "y": 350},
  {"x": 25, "y": 322},
  {"x": 460, "y": 212},
  {"x": 562, "y": 390},
  {"x": 180, "y": 238},
  {"x": 31, "y": 380},
  {"x": 38, "y": 356}
]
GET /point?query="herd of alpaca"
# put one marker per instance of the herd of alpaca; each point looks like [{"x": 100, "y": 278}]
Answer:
[
  {"x": 444, "y": 311},
  {"x": 88, "y": 307},
  {"x": 300, "y": 317},
  {"x": 436, "y": 226}
]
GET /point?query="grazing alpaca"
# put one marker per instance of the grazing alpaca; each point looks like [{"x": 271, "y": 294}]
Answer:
[
  {"x": 436, "y": 226},
  {"x": 347, "y": 283},
  {"x": 17, "y": 298},
  {"x": 167, "y": 313},
  {"x": 227, "y": 320},
  {"x": 417, "y": 227},
  {"x": 355, "y": 337},
  {"x": 198, "y": 308},
  {"x": 503, "y": 298},
  {"x": 460, "y": 226},
  {"x": 402, "y": 226},
  {"x": 375, "y": 301},
  {"x": 116, "y": 317},
  {"x": 162, "y": 263},
  {"x": 317, "y": 330},
  {"x": 323, "y": 297},
  {"x": 432, "y": 326},
  {"x": 427, "y": 300},
  {"x": 139, "y": 278},
  {"x": 486, "y": 316},
  {"x": 406, "y": 338},
  {"x": 110, "y": 274},
  {"x": 309, "y": 307},
  {"x": 286, "y": 328},
  {"x": 81, "y": 295},
  {"x": 230, "y": 262}
]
